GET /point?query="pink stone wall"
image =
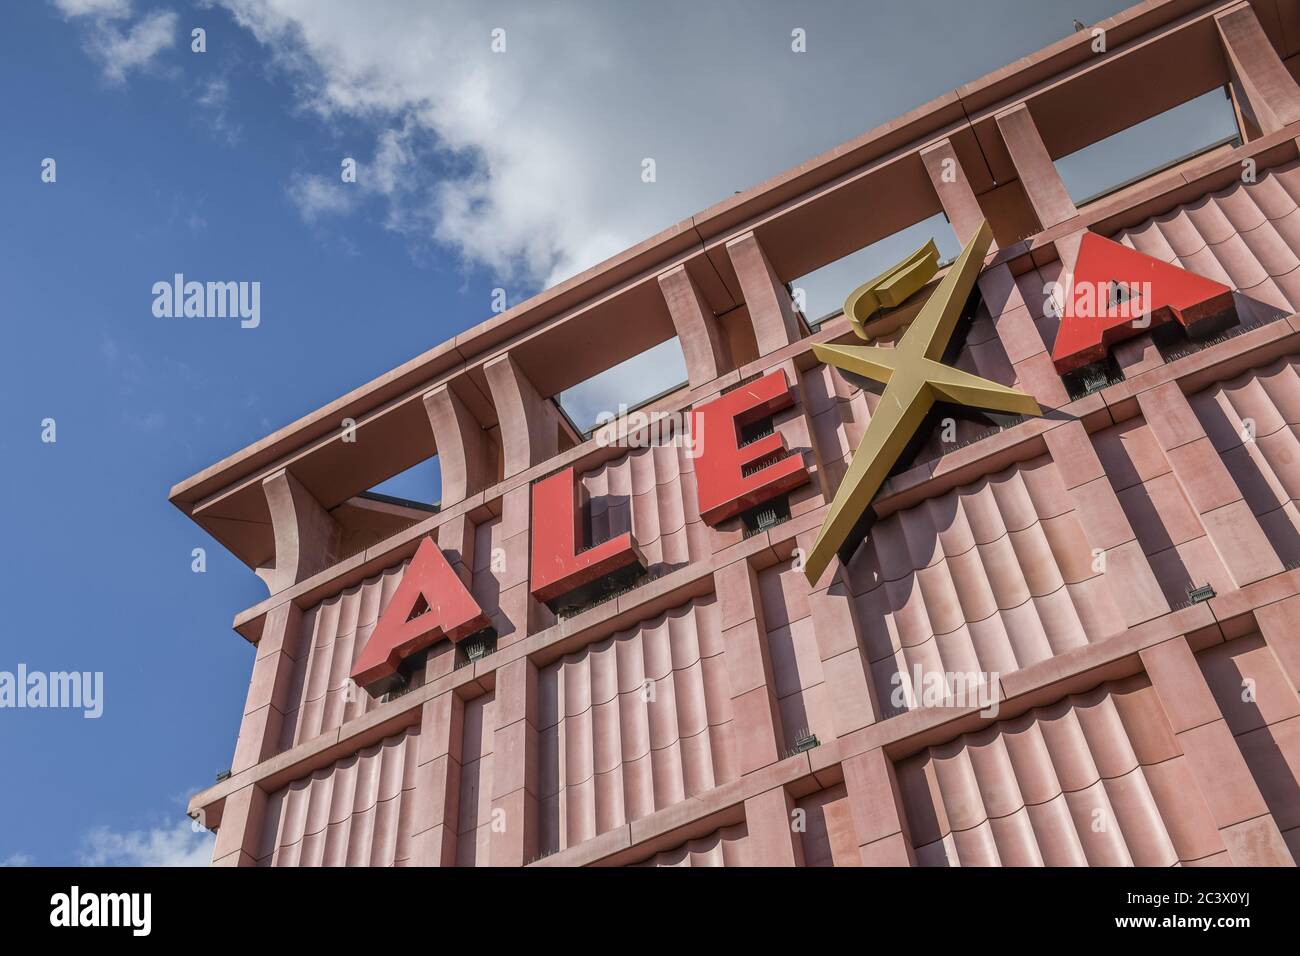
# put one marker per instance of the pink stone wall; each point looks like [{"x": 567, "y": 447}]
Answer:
[
  {"x": 609, "y": 752},
  {"x": 1252, "y": 421},
  {"x": 1095, "y": 779},
  {"x": 673, "y": 725},
  {"x": 356, "y": 812},
  {"x": 993, "y": 576}
]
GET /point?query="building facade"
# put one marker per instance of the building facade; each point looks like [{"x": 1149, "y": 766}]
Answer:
[{"x": 1063, "y": 638}]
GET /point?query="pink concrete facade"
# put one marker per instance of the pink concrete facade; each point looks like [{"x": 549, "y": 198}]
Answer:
[{"x": 724, "y": 712}]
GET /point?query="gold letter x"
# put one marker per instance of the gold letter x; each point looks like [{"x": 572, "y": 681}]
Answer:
[{"x": 914, "y": 380}]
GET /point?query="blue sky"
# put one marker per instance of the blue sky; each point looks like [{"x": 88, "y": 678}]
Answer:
[{"x": 476, "y": 173}]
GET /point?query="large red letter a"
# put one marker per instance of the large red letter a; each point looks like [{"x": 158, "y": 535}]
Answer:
[
  {"x": 431, "y": 603},
  {"x": 1092, "y": 323}
]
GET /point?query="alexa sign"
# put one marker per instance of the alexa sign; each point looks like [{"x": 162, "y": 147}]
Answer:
[
  {"x": 735, "y": 475},
  {"x": 433, "y": 602}
]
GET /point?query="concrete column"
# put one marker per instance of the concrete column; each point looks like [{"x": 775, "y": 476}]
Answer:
[
  {"x": 437, "y": 789},
  {"x": 845, "y": 667},
  {"x": 455, "y": 538},
  {"x": 240, "y": 831},
  {"x": 514, "y": 766},
  {"x": 306, "y": 537},
  {"x": 1024, "y": 345},
  {"x": 768, "y": 820},
  {"x": 464, "y": 451},
  {"x": 760, "y": 739},
  {"x": 1279, "y": 623},
  {"x": 530, "y": 425},
  {"x": 877, "y": 807},
  {"x": 1137, "y": 355},
  {"x": 1245, "y": 824},
  {"x": 776, "y": 324},
  {"x": 1265, "y": 93},
  {"x": 517, "y": 612},
  {"x": 1042, "y": 183},
  {"x": 959, "y": 202},
  {"x": 268, "y": 691},
  {"x": 1127, "y": 572},
  {"x": 698, "y": 330},
  {"x": 1210, "y": 489}
]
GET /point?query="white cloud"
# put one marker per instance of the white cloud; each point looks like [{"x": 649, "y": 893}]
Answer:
[
  {"x": 214, "y": 97},
  {"x": 529, "y": 161},
  {"x": 113, "y": 9},
  {"x": 318, "y": 196},
  {"x": 17, "y": 859},
  {"x": 121, "y": 49},
  {"x": 176, "y": 845},
  {"x": 135, "y": 48}
]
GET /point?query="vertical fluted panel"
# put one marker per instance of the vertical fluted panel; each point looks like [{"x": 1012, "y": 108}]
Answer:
[
  {"x": 1094, "y": 779},
  {"x": 1246, "y": 236},
  {"x": 989, "y": 577},
  {"x": 355, "y": 812},
  {"x": 633, "y": 724},
  {"x": 645, "y": 492},
  {"x": 1254, "y": 422},
  {"x": 333, "y": 634},
  {"x": 723, "y": 847}
]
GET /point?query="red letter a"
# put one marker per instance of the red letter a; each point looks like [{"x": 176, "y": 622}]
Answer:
[
  {"x": 1092, "y": 324},
  {"x": 431, "y": 603}
]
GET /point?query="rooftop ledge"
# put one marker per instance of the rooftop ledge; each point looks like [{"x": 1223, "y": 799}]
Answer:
[{"x": 963, "y": 110}]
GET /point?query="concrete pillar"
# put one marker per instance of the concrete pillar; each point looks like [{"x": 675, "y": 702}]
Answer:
[
  {"x": 1245, "y": 824},
  {"x": 1024, "y": 345},
  {"x": 698, "y": 330},
  {"x": 1264, "y": 92},
  {"x": 464, "y": 451},
  {"x": 769, "y": 822},
  {"x": 877, "y": 807},
  {"x": 1127, "y": 572},
  {"x": 514, "y": 766},
  {"x": 268, "y": 691},
  {"x": 530, "y": 425},
  {"x": 776, "y": 324},
  {"x": 1208, "y": 485},
  {"x": 240, "y": 831},
  {"x": 437, "y": 789},
  {"x": 517, "y": 612},
  {"x": 1042, "y": 183},
  {"x": 455, "y": 538},
  {"x": 1279, "y": 623},
  {"x": 1137, "y": 355},
  {"x": 306, "y": 536},
  {"x": 959, "y": 202},
  {"x": 845, "y": 667},
  {"x": 760, "y": 739}
]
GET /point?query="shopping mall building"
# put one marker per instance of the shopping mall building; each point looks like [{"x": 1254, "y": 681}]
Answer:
[{"x": 998, "y": 565}]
